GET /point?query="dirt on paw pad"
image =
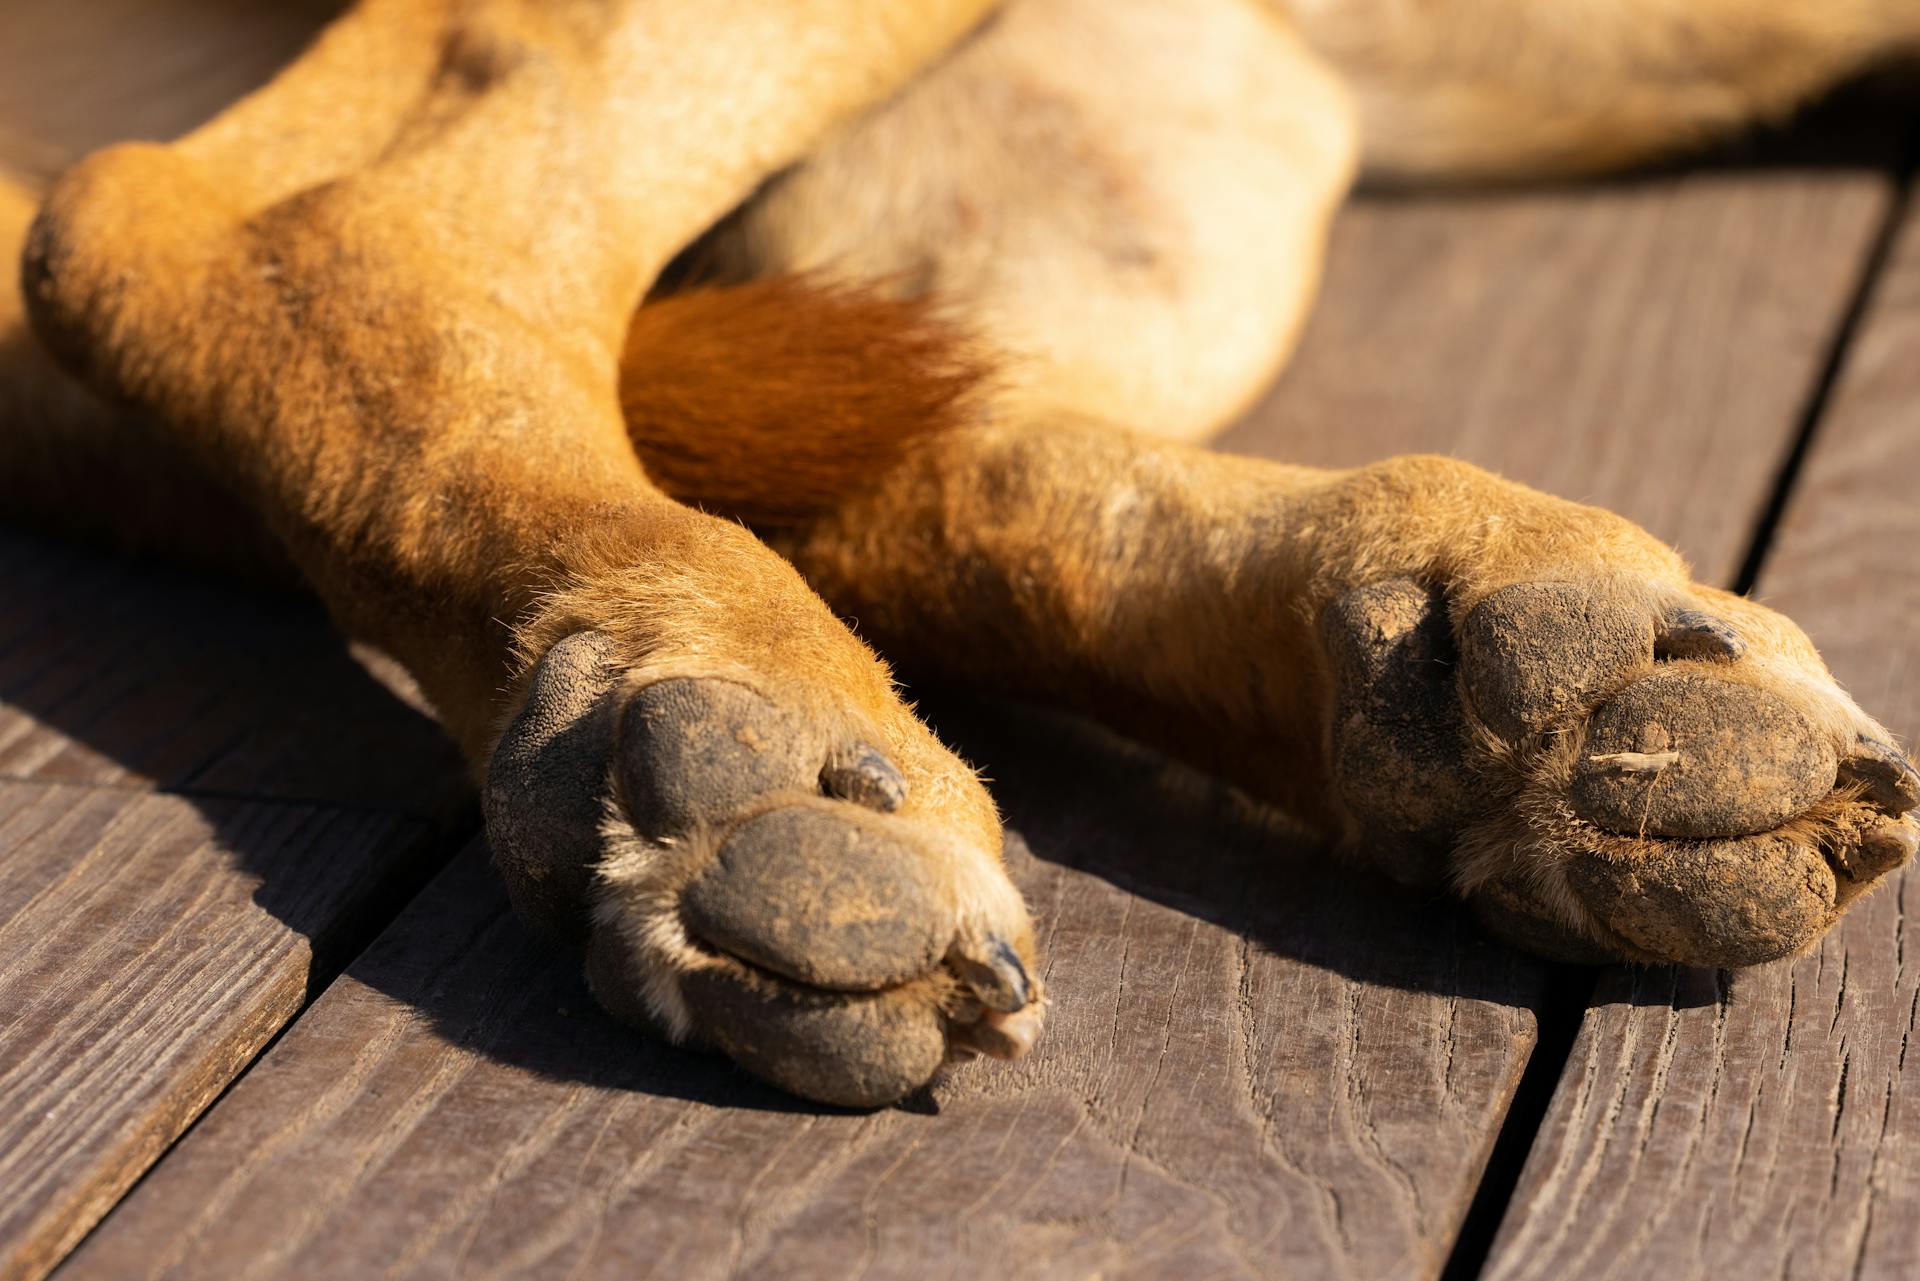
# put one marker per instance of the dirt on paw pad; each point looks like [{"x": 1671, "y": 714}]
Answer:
[
  {"x": 817, "y": 896},
  {"x": 853, "y": 1051},
  {"x": 1684, "y": 754},
  {"x": 1399, "y": 741},
  {"x": 1717, "y": 903},
  {"x": 1532, "y": 653}
]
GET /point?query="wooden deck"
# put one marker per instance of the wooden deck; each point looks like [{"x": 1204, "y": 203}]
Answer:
[{"x": 263, "y": 1012}]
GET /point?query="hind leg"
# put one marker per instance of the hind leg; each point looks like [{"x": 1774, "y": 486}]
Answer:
[
  {"x": 76, "y": 465},
  {"x": 1508, "y": 88},
  {"x": 406, "y": 367},
  {"x": 1462, "y": 679},
  {"x": 1125, "y": 199}
]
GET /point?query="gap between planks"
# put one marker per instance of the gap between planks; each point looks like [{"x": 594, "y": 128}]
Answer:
[{"x": 1765, "y": 1128}]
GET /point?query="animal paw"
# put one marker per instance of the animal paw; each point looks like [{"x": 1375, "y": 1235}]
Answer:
[
  {"x": 755, "y": 874},
  {"x": 1613, "y": 768}
]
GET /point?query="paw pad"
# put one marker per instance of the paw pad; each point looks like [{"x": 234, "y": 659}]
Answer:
[
  {"x": 1718, "y": 903},
  {"x": 1653, "y": 793},
  {"x": 1534, "y": 653},
  {"x": 1726, "y": 760},
  {"x": 1399, "y": 741},
  {"x": 698, "y": 752},
  {"x": 820, "y": 898}
]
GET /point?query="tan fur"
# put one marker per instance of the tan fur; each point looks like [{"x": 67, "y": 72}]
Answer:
[
  {"x": 386, "y": 309},
  {"x": 1146, "y": 265},
  {"x": 1493, "y": 88}
]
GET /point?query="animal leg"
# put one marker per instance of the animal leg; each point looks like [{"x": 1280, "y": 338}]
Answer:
[
  {"x": 1509, "y": 88},
  {"x": 1125, "y": 200},
  {"x": 398, "y": 345},
  {"x": 73, "y": 78},
  {"x": 1462, "y": 680}
]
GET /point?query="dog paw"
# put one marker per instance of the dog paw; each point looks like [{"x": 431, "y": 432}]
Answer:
[
  {"x": 1614, "y": 768},
  {"x": 756, "y": 874}
]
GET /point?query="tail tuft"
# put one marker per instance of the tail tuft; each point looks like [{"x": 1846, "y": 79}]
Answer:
[{"x": 773, "y": 401}]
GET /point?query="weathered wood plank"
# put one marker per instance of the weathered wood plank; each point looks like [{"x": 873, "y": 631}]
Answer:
[
  {"x": 149, "y": 947},
  {"x": 124, "y": 673},
  {"x": 1770, "y": 1125},
  {"x": 1255, "y": 1070},
  {"x": 165, "y": 81},
  {"x": 1612, "y": 344}
]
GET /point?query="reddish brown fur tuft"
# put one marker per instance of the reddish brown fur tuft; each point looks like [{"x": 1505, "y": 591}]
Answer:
[{"x": 773, "y": 401}]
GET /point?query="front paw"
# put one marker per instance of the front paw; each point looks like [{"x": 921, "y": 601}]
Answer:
[
  {"x": 755, "y": 874},
  {"x": 1614, "y": 768}
]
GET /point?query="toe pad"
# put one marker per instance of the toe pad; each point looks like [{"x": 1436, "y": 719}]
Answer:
[
  {"x": 1534, "y": 652},
  {"x": 818, "y": 897},
  {"x": 1718, "y": 903},
  {"x": 1687, "y": 755}
]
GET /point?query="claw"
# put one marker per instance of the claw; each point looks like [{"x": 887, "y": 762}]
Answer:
[
  {"x": 997, "y": 1035},
  {"x": 1889, "y": 778},
  {"x": 1694, "y": 633},
  {"x": 996, "y": 975},
  {"x": 866, "y": 778},
  {"x": 1889, "y": 846}
]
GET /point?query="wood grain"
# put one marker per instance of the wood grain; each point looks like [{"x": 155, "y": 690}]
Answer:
[
  {"x": 1770, "y": 1125},
  {"x": 1256, "y": 1069},
  {"x": 121, "y": 672},
  {"x": 149, "y": 947},
  {"x": 1612, "y": 344}
]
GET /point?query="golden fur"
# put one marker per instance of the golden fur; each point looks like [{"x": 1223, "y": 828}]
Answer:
[{"x": 934, "y": 293}]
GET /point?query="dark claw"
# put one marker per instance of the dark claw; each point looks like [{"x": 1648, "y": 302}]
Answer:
[
  {"x": 1890, "y": 779},
  {"x": 866, "y": 778},
  {"x": 1693, "y": 633},
  {"x": 997, "y": 978}
]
